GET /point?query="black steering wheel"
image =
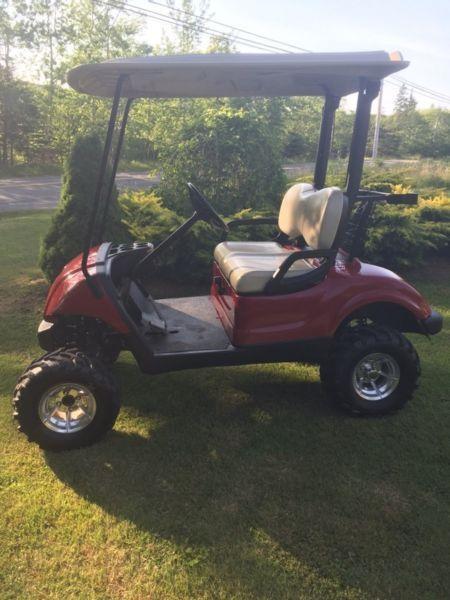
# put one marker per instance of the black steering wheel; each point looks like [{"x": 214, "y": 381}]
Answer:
[{"x": 204, "y": 209}]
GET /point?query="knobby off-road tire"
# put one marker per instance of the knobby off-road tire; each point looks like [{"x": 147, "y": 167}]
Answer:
[
  {"x": 349, "y": 376},
  {"x": 66, "y": 377}
]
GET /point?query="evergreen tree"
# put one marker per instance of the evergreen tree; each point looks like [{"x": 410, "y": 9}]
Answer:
[
  {"x": 64, "y": 240},
  {"x": 404, "y": 102}
]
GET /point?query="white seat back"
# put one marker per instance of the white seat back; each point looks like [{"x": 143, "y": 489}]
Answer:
[
  {"x": 313, "y": 214},
  {"x": 289, "y": 209}
]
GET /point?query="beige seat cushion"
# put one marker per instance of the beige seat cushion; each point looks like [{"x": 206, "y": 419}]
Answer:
[
  {"x": 287, "y": 223},
  {"x": 289, "y": 209},
  {"x": 249, "y": 273},
  {"x": 313, "y": 214},
  {"x": 226, "y": 248}
]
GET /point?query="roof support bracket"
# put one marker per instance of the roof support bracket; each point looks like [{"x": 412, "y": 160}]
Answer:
[
  {"x": 99, "y": 190},
  {"x": 326, "y": 134},
  {"x": 368, "y": 91}
]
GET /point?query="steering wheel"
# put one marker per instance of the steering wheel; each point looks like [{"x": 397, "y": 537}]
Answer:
[{"x": 204, "y": 209}]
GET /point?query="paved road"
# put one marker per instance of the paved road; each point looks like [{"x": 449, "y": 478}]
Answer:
[
  {"x": 30, "y": 193},
  {"x": 43, "y": 192}
]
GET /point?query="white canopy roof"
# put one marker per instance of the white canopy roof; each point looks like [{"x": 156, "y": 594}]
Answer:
[{"x": 214, "y": 75}]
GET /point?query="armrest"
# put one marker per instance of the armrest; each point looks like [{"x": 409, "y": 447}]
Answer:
[
  {"x": 254, "y": 221},
  {"x": 295, "y": 256},
  {"x": 409, "y": 198}
]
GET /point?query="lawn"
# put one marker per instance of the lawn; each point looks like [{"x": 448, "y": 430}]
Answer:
[{"x": 223, "y": 483}]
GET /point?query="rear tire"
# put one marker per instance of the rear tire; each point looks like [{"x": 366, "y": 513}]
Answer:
[
  {"x": 372, "y": 370},
  {"x": 66, "y": 399}
]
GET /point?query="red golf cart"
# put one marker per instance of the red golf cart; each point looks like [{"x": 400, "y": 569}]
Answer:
[{"x": 302, "y": 296}]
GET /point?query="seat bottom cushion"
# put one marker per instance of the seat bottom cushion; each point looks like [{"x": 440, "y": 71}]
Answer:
[
  {"x": 250, "y": 273},
  {"x": 226, "y": 248}
]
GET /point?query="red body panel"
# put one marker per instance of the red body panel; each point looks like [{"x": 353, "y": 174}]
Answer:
[
  {"x": 313, "y": 313},
  {"x": 70, "y": 295},
  {"x": 316, "y": 312}
]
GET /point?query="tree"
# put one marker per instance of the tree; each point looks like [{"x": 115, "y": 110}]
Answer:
[
  {"x": 231, "y": 149},
  {"x": 49, "y": 32},
  {"x": 64, "y": 240},
  {"x": 19, "y": 117},
  {"x": 437, "y": 142},
  {"x": 342, "y": 133},
  {"x": 301, "y": 124},
  {"x": 404, "y": 103}
]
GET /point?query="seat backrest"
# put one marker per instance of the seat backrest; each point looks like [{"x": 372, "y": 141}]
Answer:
[{"x": 317, "y": 215}]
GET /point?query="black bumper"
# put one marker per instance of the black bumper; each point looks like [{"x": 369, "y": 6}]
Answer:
[{"x": 433, "y": 323}]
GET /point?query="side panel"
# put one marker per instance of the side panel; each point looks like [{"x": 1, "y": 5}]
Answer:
[
  {"x": 70, "y": 295},
  {"x": 224, "y": 299},
  {"x": 316, "y": 312}
]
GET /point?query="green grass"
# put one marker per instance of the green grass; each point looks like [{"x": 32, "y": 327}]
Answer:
[
  {"x": 428, "y": 177},
  {"x": 26, "y": 170},
  {"x": 35, "y": 170},
  {"x": 138, "y": 165},
  {"x": 223, "y": 483}
]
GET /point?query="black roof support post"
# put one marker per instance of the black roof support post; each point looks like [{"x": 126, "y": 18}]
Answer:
[
  {"x": 88, "y": 240},
  {"x": 368, "y": 91},
  {"x": 112, "y": 176},
  {"x": 324, "y": 146}
]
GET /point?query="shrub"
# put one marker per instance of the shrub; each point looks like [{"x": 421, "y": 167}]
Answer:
[
  {"x": 435, "y": 209},
  {"x": 230, "y": 149},
  {"x": 64, "y": 239},
  {"x": 434, "y": 215},
  {"x": 396, "y": 239},
  {"x": 397, "y": 236},
  {"x": 190, "y": 258},
  {"x": 403, "y": 236}
]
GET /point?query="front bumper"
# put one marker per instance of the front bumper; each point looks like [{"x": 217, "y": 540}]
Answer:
[{"x": 433, "y": 323}]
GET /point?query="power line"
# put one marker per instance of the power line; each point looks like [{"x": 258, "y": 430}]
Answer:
[
  {"x": 438, "y": 95},
  {"x": 204, "y": 29},
  {"x": 232, "y": 27},
  {"x": 411, "y": 83},
  {"x": 145, "y": 12},
  {"x": 435, "y": 94},
  {"x": 419, "y": 92}
]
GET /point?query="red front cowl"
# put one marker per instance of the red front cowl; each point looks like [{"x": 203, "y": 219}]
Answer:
[
  {"x": 313, "y": 313},
  {"x": 70, "y": 295}
]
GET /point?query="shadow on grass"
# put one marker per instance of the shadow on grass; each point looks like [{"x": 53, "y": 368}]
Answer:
[{"x": 239, "y": 463}]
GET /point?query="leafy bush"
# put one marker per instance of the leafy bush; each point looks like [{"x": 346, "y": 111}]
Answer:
[
  {"x": 190, "y": 258},
  {"x": 396, "y": 239},
  {"x": 435, "y": 209},
  {"x": 434, "y": 215},
  {"x": 147, "y": 219},
  {"x": 231, "y": 149},
  {"x": 64, "y": 240},
  {"x": 403, "y": 236}
]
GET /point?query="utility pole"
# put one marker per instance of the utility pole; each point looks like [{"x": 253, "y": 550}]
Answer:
[{"x": 376, "y": 134}]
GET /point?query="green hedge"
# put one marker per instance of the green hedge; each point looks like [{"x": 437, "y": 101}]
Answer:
[
  {"x": 404, "y": 236},
  {"x": 397, "y": 237},
  {"x": 191, "y": 257}
]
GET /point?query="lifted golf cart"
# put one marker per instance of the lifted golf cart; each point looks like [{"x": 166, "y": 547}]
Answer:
[{"x": 303, "y": 296}]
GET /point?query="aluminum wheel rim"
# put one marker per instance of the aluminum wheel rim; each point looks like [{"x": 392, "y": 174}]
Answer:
[
  {"x": 67, "y": 408},
  {"x": 376, "y": 376}
]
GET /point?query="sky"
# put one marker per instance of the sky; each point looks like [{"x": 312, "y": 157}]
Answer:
[{"x": 419, "y": 29}]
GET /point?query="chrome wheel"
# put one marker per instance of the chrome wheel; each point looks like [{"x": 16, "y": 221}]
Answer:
[
  {"x": 376, "y": 376},
  {"x": 67, "y": 408}
]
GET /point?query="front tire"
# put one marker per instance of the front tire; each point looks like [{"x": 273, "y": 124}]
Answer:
[
  {"x": 66, "y": 399},
  {"x": 372, "y": 370}
]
